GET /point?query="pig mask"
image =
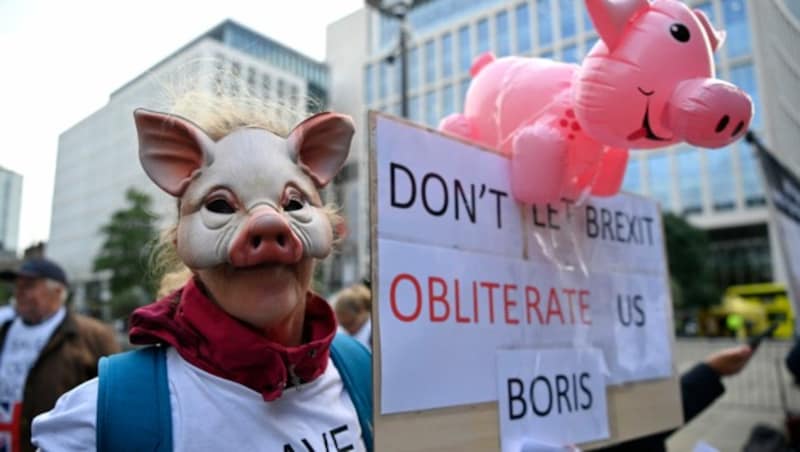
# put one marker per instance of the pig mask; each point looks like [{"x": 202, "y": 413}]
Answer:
[{"x": 251, "y": 198}]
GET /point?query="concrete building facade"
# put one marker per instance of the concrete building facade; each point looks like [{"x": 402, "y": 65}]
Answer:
[{"x": 10, "y": 199}]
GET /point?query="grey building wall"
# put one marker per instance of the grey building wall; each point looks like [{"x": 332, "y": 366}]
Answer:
[
  {"x": 10, "y": 199},
  {"x": 346, "y": 54}
]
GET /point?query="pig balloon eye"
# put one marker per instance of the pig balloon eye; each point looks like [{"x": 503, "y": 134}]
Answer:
[
  {"x": 292, "y": 204},
  {"x": 220, "y": 206},
  {"x": 679, "y": 32}
]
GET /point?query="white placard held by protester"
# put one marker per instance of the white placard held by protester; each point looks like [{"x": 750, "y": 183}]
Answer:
[{"x": 555, "y": 397}]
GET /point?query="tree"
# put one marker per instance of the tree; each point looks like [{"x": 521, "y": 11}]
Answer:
[
  {"x": 128, "y": 239},
  {"x": 688, "y": 251}
]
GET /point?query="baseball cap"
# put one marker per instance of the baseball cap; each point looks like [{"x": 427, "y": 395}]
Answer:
[{"x": 37, "y": 268}]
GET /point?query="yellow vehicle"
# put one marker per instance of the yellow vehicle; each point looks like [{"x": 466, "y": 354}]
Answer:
[{"x": 747, "y": 310}]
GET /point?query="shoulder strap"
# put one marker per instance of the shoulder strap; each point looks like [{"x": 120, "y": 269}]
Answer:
[
  {"x": 354, "y": 363},
  {"x": 133, "y": 407}
]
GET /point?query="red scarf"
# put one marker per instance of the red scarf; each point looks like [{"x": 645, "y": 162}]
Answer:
[{"x": 207, "y": 337}]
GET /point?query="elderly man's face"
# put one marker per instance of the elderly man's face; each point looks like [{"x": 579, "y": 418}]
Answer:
[{"x": 36, "y": 299}]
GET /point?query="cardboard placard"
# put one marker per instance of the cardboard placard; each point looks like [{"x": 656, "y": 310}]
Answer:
[{"x": 460, "y": 270}]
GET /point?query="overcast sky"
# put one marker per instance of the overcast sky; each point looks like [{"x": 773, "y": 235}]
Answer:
[{"x": 60, "y": 60}]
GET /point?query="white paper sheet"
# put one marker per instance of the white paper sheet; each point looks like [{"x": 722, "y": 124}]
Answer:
[{"x": 555, "y": 397}]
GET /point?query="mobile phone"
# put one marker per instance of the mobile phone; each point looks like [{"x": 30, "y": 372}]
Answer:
[{"x": 755, "y": 341}]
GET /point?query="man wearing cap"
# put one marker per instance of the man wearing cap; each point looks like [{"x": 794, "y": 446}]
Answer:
[{"x": 45, "y": 351}]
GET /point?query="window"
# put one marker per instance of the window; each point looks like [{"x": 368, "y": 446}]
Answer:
[
  {"x": 483, "y": 36},
  {"x": 251, "y": 80},
  {"x": 294, "y": 95},
  {"x": 566, "y": 9},
  {"x": 752, "y": 187},
  {"x": 588, "y": 25},
  {"x": 658, "y": 177},
  {"x": 502, "y": 34},
  {"x": 744, "y": 77},
  {"x": 570, "y": 54},
  {"x": 547, "y": 54},
  {"x": 398, "y": 76},
  {"x": 463, "y": 88},
  {"x": 720, "y": 172},
  {"x": 236, "y": 71},
  {"x": 689, "y": 177},
  {"x": 413, "y": 68},
  {"x": 737, "y": 28},
  {"x": 281, "y": 90},
  {"x": 447, "y": 55},
  {"x": 448, "y": 100},
  {"x": 464, "y": 46},
  {"x": 543, "y": 20},
  {"x": 430, "y": 61},
  {"x": 368, "y": 84},
  {"x": 413, "y": 108},
  {"x": 708, "y": 9},
  {"x": 590, "y": 44},
  {"x": 266, "y": 85},
  {"x": 389, "y": 27},
  {"x": 633, "y": 177},
  {"x": 431, "y": 115},
  {"x": 383, "y": 74},
  {"x": 523, "y": 18}
]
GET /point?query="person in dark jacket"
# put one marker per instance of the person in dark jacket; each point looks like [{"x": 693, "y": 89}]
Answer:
[
  {"x": 700, "y": 387},
  {"x": 45, "y": 350}
]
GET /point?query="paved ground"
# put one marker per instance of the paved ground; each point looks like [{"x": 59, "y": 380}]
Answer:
[{"x": 751, "y": 397}]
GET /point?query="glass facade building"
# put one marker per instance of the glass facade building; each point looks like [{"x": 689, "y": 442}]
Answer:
[{"x": 716, "y": 189}]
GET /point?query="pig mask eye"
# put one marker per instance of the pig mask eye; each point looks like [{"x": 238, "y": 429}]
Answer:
[
  {"x": 679, "y": 32},
  {"x": 220, "y": 201},
  {"x": 293, "y": 200}
]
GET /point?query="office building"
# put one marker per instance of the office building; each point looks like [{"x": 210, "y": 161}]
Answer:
[
  {"x": 98, "y": 157},
  {"x": 720, "y": 190}
]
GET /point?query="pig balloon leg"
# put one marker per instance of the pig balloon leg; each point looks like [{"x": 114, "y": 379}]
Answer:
[
  {"x": 611, "y": 172},
  {"x": 458, "y": 125},
  {"x": 538, "y": 162}
]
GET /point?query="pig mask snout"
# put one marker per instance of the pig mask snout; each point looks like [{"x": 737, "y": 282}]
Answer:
[{"x": 265, "y": 238}]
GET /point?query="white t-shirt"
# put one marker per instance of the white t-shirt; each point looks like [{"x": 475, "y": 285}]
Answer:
[
  {"x": 211, "y": 413},
  {"x": 21, "y": 348},
  {"x": 364, "y": 335},
  {"x": 7, "y": 312}
]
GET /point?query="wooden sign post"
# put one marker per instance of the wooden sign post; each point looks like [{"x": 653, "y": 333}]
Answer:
[{"x": 462, "y": 274}]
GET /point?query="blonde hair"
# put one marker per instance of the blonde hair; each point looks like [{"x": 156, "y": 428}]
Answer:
[
  {"x": 218, "y": 115},
  {"x": 355, "y": 298}
]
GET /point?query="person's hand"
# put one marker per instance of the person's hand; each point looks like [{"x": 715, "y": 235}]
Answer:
[{"x": 730, "y": 361}]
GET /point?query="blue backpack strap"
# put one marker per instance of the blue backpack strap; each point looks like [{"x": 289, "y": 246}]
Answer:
[
  {"x": 133, "y": 407},
  {"x": 354, "y": 363}
]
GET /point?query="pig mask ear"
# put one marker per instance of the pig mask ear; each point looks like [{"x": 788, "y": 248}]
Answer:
[
  {"x": 610, "y": 17},
  {"x": 171, "y": 149},
  {"x": 715, "y": 38},
  {"x": 321, "y": 144}
]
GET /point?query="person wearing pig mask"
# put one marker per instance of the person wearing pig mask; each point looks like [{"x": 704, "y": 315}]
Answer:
[{"x": 244, "y": 355}]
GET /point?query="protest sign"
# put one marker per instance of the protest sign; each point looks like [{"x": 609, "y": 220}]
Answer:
[
  {"x": 460, "y": 271},
  {"x": 541, "y": 391}
]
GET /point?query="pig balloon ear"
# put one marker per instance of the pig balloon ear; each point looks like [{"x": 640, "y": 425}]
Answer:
[
  {"x": 715, "y": 38},
  {"x": 610, "y": 17},
  {"x": 171, "y": 149},
  {"x": 322, "y": 143}
]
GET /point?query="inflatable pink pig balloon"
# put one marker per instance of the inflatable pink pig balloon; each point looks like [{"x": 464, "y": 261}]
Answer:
[{"x": 649, "y": 82}]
